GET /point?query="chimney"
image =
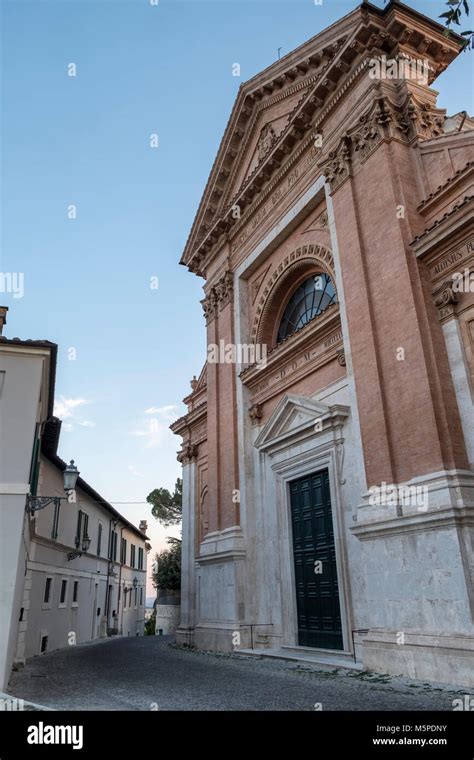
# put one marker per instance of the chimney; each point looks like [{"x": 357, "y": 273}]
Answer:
[
  {"x": 143, "y": 526},
  {"x": 3, "y": 317}
]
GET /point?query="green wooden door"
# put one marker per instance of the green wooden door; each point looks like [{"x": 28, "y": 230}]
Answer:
[{"x": 317, "y": 593}]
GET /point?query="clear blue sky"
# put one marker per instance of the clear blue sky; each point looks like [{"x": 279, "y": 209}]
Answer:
[{"x": 141, "y": 69}]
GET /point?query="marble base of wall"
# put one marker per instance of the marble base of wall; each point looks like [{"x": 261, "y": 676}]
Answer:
[
  {"x": 221, "y": 637},
  {"x": 426, "y": 657},
  {"x": 185, "y": 636}
]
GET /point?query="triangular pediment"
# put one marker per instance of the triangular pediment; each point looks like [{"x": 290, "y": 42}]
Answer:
[
  {"x": 278, "y": 109},
  {"x": 298, "y": 415},
  {"x": 273, "y": 97},
  {"x": 270, "y": 120}
]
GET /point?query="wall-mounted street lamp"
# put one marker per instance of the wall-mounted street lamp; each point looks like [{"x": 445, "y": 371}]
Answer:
[
  {"x": 70, "y": 476},
  {"x": 86, "y": 542},
  {"x": 135, "y": 582}
]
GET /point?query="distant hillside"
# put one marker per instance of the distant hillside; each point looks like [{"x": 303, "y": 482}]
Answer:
[{"x": 150, "y": 600}]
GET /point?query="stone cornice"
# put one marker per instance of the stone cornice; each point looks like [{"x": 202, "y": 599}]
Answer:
[
  {"x": 396, "y": 26},
  {"x": 443, "y": 223},
  {"x": 424, "y": 521},
  {"x": 317, "y": 343},
  {"x": 188, "y": 421},
  {"x": 449, "y": 186}
]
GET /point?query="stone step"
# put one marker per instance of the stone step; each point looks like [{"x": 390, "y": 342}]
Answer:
[{"x": 317, "y": 658}]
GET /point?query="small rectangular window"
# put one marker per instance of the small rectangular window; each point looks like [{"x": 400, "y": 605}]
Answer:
[
  {"x": 123, "y": 551},
  {"x": 141, "y": 595},
  {"x": 62, "y": 595},
  {"x": 47, "y": 590},
  {"x": 44, "y": 644},
  {"x": 75, "y": 592},
  {"x": 99, "y": 539},
  {"x": 113, "y": 546},
  {"x": 85, "y": 529},
  {"x": 132, "y": 555}
]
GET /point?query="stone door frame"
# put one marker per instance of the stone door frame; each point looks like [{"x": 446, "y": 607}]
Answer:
[{"x": 303, "y": 453}]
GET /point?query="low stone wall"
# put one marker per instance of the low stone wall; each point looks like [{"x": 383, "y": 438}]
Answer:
[{"x": 167, "y": 619}]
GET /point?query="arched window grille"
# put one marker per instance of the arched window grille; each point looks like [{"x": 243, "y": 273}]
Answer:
[{"x": 311, "y": 298}]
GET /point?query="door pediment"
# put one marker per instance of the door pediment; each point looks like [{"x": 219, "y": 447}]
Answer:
[{"x": 298, "y": 416}]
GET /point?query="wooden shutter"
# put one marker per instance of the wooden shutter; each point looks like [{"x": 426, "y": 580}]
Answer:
[{"x": 79, "y": 527}]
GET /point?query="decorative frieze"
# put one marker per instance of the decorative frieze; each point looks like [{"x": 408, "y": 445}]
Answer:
[
  {"x": 256, "y": 412},
  {"x": 318, "y": 343},
  {"x": 383, "y": 120},
  {"x": 445, "y": 299},
  {"x": 322, "y": 220},
  {"x": 291, "y": 172},
  {"x": 266, "y": 140},
  {"x": 338, "y": 166},
  {"x": 219, "y": 296},
  {"x": 209, "y": 305},
  {"x": 225, "y": 290},
  {"x": 422, "y": 119},
  {"x": 187, "y": 453}
]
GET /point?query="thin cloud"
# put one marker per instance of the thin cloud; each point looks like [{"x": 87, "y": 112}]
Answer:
[
  {"x": 64, "y": 407},
  {"x": 153, "y": 431},
  {"x": 67, "y": 408},
  {"x": 135, "y": 472},
  {"x": 168, "y": 412}
]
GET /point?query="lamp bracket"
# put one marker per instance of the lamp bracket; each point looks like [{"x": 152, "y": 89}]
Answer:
[{"x": 36, "y": 503}]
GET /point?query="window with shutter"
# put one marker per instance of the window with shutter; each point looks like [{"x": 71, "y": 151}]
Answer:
[
  {"x": 79, "y": 528},
  {"x": 99, "y": 539}
]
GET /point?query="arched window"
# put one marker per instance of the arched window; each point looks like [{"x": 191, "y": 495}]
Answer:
[{"x": 312, "y": 297}]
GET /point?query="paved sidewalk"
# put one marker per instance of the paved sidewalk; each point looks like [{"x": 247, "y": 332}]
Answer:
[{"x": 147, "y": 673}]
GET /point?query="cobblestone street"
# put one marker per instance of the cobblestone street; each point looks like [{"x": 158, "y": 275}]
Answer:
[{"x": 147, "y": 673}]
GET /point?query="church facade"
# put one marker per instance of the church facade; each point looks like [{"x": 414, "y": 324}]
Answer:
[{"x": 328, "y": 447}]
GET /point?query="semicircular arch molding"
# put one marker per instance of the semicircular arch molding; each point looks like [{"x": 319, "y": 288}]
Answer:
[{"x": 294, "y": 269}]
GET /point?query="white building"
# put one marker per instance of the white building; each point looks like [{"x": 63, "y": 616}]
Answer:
[
  {"x": 71, "y": 571},
  {"x": 72, "y": 596},
  {"x": 27, "y": 372}
]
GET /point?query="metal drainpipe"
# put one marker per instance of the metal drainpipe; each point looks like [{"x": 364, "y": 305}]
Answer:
[
  {"x": 109, "y": 552},
  {"x": 120, "y": 584},
  {"x": 109, "y": 562}
]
